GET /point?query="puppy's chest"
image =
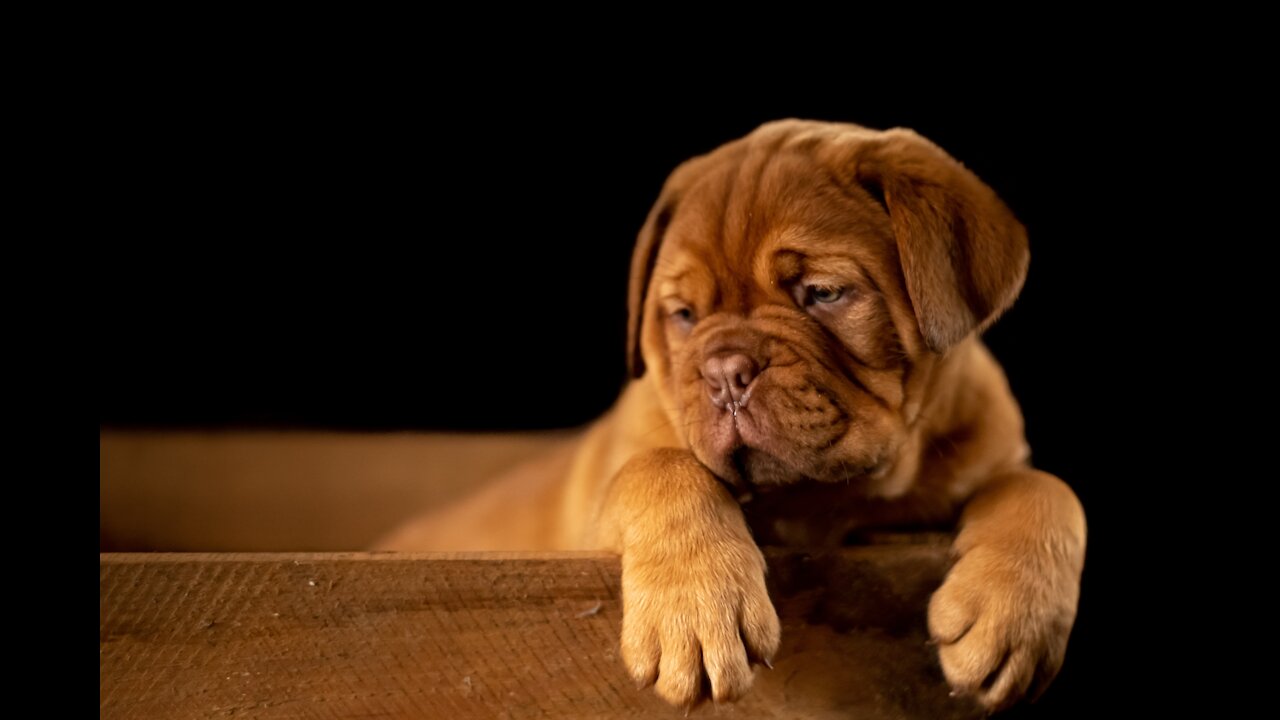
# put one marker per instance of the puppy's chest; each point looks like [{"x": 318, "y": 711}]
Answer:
[{"x": 826, "y": 515}]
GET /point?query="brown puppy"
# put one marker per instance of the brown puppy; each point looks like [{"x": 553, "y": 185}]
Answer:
[{"x": 805, "y": 304}]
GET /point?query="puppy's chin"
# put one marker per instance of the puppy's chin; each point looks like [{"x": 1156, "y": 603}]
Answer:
[
  {"x": 748, "y": 468},
  {"x": 740, "y": 452},
  {"x": 757, "y": 468}
]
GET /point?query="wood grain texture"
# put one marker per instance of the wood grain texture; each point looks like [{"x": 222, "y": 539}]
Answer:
[{"x": 489, "y": 636}]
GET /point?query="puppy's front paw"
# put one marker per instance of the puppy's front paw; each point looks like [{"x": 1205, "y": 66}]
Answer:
[
  {"x": 693, "y": 620},
  {"x": 1001, "y": 621}
]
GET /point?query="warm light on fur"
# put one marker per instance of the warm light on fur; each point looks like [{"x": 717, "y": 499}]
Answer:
[{"x": 805, "y": 304}]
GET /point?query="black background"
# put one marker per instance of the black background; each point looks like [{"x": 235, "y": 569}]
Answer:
[{"x": 307, "y": 246}]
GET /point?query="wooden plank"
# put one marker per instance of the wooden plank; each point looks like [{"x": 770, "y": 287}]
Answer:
[
  {"x": 237, "y": 490},
  {"x": 489, "y": 636}
]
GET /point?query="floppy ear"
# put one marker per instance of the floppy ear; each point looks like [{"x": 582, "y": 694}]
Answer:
[
  {"x": 964, "y": 255},
  {"x": 646, "y": 253},
  {"x": 642, "y": 261}
]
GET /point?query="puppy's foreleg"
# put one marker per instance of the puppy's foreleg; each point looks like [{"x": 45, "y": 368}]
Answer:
[
  {"x": 693, "y": 589},
  {"x": 1003, "y": 614}
]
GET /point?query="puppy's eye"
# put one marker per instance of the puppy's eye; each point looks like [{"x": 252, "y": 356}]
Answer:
[
  {"x": 683, "y": 315},
  {"x": 824, "y": 295}
]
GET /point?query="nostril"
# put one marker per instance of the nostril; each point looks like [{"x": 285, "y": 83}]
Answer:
[
  {"x": 719, "y": 396},
  {"x": 739, "y": 371}
]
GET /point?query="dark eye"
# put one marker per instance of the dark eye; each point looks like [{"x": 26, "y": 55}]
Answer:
[
  {"x": 818, "y": 294},
  {"x": 684, "y": 315}
]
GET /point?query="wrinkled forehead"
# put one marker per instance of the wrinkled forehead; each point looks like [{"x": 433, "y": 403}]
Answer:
[{"x": 762, "y": 218}]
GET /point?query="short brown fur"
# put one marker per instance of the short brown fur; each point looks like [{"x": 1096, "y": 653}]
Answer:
[{"x": 878, "y": 408}]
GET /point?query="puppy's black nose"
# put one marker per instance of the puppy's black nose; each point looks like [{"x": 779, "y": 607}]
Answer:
[{"x": 728, "y": 375}]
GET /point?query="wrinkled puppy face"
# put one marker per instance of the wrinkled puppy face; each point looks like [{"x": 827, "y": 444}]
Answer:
[
  {"x": 790, "y": 288},
  {"x": 772, "y": 291}
]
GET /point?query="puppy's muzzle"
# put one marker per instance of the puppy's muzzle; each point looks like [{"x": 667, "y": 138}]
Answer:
[{"x": 728, "y": 376}]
